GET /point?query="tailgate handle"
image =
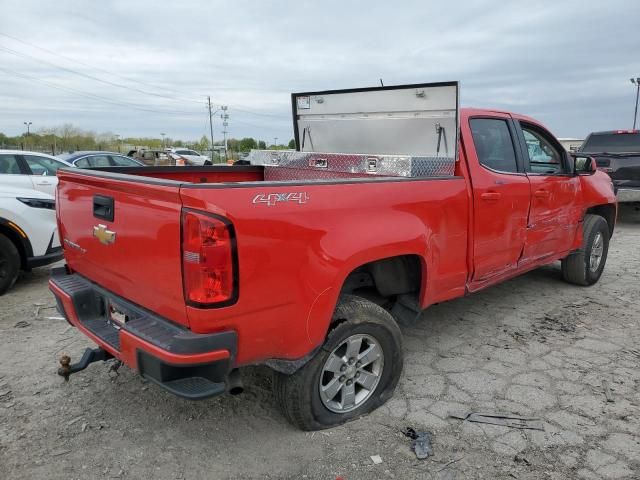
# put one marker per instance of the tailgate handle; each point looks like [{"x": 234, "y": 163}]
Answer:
[{"x": 103, "y": 207}]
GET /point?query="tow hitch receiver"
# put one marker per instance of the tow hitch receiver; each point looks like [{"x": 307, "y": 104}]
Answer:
[{"x": 90, "y": 355}]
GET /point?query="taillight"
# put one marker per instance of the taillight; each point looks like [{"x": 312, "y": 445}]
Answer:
[{"x": 209, "y": 262}]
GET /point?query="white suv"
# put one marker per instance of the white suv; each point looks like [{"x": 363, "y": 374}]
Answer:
[
  {"x": 30, "y": 170},
  {"x": 186, "y": 156},
  {"x": 28, "y": 232}
]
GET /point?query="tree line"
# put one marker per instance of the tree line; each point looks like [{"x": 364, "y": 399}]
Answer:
[{"x": 69, "y": 138}]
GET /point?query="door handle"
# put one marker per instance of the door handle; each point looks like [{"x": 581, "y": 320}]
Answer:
[
  {"x": 43, "y": 183},
  {"x": 491, "y": 196},
  {"x": 541, "y": 193}
]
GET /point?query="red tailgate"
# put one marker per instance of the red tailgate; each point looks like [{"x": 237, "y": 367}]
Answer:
[{"x": 136, "y": 254}]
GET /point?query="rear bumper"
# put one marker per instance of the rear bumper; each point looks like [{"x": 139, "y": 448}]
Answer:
[
  {"x": 628, "y": 194},
  {"x": 193, "y": 366}
]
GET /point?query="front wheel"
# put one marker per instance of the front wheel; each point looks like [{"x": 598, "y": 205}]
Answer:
[
  {"x": 9, "y": 264},
  {"x": 585, "y": 266},
  {"x": 355, "y": 371}
]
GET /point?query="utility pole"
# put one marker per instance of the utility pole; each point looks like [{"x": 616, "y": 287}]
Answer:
[
  {"x": 163, "y": 134},
  {"x": 636, "y": 82},
  {"x": 275, "y": 142},
  {"x": 28, "y": 124},
  {"x": 225, "y": 117},
  {"x": 210, "y": 125},
  {"x": 118, "y": 141}
]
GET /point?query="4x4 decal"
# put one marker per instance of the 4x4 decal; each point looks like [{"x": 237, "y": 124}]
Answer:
[{"x": 271, "y": 199}]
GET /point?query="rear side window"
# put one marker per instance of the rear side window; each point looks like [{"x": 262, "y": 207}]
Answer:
[
  {"x": 9, "y": 165},
  {"x": 494, "y": 144},
  {"x": 123, "y": 161},
  {"x": 43, "y": 165},
  {"x": 99, "y": 161}
]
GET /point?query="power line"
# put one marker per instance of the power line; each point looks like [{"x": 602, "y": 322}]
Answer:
[
  {"x": 91, "y": 77},
  {"x": 69, "y": 59},
  {"x": 96, "y": 97},
  {"x": 261, "y": 114},
  {"x": 119, "y": 85}
]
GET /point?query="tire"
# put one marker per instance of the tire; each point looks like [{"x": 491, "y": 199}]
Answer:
[
  {"x": 9, "y": 264},
  {"x": 577, "y": 268},
  {"x": 354, "y": 318}
]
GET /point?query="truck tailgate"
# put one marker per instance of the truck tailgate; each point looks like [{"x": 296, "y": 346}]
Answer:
[{"x": 124, "y": 235}]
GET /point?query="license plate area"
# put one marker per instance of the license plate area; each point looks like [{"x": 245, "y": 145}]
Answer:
[{"x": 116, "y": 314}]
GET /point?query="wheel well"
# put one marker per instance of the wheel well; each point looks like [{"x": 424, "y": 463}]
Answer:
[
  {"x": 15, "y": 239},
  {"x": 384, "y": 280},
  {"x": 608, "y": 212}
]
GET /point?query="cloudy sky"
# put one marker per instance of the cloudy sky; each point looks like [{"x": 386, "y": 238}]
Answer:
[{"x": 141, "y": 67}]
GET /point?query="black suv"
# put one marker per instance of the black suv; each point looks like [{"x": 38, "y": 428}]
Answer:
[{"x": 617, "y": 152}]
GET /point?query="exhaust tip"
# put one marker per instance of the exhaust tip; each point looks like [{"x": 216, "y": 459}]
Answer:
[
  {"x": 237, "y": 390},
  {"x": 235, "y": 386}
]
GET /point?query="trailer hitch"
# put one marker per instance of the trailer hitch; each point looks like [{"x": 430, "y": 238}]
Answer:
[{"x": 90, "y": 355}]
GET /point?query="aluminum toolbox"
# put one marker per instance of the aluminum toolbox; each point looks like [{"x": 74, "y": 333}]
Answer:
[
  {"x": 397, "y": 131},
  {"x": 292, "y": 165}
]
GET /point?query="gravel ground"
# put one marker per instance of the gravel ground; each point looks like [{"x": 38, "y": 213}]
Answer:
[{"x": 533, "y": 346}]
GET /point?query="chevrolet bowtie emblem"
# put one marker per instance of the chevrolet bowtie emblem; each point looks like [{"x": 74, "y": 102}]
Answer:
[{"x": 107, "y": 237}]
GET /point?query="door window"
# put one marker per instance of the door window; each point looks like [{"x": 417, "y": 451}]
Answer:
[
  {"x": 43, "y": 166},
  {"x": 544, "y": 157},
  {"x": 494, "y": 144},
  {"x": 98, "y": 161},
  {"x": 9, "y": 165}
]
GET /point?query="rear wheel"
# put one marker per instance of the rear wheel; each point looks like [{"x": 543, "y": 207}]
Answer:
[
  {"x": 9, "y": 264},
  {"x": 355, "y": 371},
  {"x": 585, "y": 266}
]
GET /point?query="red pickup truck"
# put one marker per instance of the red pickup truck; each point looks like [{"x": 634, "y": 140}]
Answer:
[{"x": 305, "y": 260}]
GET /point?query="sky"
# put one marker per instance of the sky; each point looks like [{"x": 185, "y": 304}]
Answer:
[{"x": 142, "y": 67}]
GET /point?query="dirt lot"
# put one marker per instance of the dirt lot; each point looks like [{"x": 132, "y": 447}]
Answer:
[{"x": 532, "y": 346}]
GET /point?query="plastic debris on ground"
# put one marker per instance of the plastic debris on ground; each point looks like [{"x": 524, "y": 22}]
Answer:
[{"x": 421, "y": 443}]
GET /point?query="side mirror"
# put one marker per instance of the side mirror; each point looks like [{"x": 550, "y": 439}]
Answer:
[{"x": 584, "y": 165}]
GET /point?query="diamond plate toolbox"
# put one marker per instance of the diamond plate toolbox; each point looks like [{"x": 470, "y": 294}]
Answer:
[{"x": 292, "y": 165}]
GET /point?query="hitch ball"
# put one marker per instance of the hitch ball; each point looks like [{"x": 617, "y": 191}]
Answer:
[{"x": 65, "y": 369}]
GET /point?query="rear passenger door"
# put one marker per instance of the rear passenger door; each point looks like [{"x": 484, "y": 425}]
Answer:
[
  {"x": 13, "y": 172},
  {"x": 500, "y": 196},
  {"x": 555, "y": 212}
]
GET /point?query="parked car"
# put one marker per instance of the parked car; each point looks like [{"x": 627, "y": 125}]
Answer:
[
  {"x": 29, "y": 170},
  {"x": 150, "y": 157},
  {"x": 185, "y": 156},
  {"x": 306, "y": 261},
  {"x": 88, "y": 159},
  {"x": 617, "y": 152},
  {"x": 28, "y": 232}
]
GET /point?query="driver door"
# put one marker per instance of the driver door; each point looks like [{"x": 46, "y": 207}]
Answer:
[{"x": 555, "y": 213}]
